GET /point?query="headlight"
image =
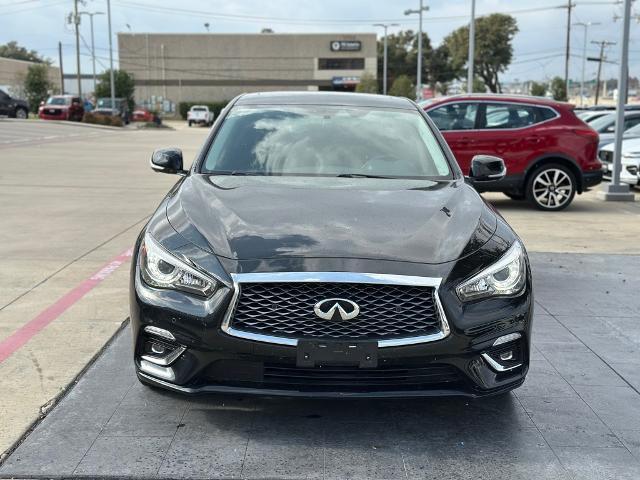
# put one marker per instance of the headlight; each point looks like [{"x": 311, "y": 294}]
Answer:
[
  {"x": 161, "y": 269},
  {"x": 505, "y": 277}
]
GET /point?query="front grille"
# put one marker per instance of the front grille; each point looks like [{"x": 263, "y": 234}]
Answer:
[
  {"x": 386, "y": 311},
  {"x": 360, "y": 379}
]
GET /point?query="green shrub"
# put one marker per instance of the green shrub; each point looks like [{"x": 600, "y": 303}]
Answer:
[{"x": 215, "y": 107}]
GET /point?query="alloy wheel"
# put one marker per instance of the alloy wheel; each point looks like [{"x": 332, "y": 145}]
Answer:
[
  {"x": 552, "y": 188},
  {"x": 20, "y": 113}
]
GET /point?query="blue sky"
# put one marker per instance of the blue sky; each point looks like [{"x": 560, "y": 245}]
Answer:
[{"x": 539, "y": 46}]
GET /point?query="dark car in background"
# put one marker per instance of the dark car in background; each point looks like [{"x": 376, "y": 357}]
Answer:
[
  {"x": 121, "y": 108},
  {"x": 13, "y": 107},
  {"x": 62, "y": 107},
  {"x": 327, "y": 244},
  {"x": 550, "y": 154}
]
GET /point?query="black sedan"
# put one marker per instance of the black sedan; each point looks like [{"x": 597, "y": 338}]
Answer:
[{"x": 327, "y": 244}]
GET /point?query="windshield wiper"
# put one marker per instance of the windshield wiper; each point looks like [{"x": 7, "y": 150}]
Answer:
[
  {"x": 360, "y": 175},
  {"x": 234, "y": 172}
]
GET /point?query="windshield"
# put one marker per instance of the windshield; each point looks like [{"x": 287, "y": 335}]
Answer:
[
  {"x": 57, "y": 101},
  {"x": 633, "y": 130},
  {"x": 326, "y": 141},
  {"x": 106, "y": 102},
  {"x": 601, "y": 124}
]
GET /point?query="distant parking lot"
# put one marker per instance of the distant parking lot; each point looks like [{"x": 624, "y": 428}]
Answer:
[{"x": 74, "y": 198}]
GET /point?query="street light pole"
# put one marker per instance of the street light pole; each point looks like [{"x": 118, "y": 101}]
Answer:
[
  {"x": 93, "y": 46},
  {"x": 384, "y": 57},
  {"x": 419, "y": 72},
  {"x": 76, "y": 23},
  {"x": 615, "y": 190},
  {"x": 586, "y": 26},
  {"x": 111, "y": 79},
  {"x": 472, "y": 47}
]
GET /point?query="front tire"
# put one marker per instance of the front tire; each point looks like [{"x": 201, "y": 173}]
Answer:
[
  {"x": 551, "y": 187},
  {"x": 21, "y": 113}
]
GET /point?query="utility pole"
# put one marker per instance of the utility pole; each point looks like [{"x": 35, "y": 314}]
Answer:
[
  {"x": 93, "y": 46},
  {"x": 472, "y": 47},
  {"x": 600, "y": 60},
  {"x": 569, "y": 7},
  {"x": 61, "y": 69},
  {"x": 164, "y": 75},
  {"x": 419, "y": 73},
  {"x": 76, "y": 23},
  {"x": 584, "y": 55},
  {"x": 384, "y": 57},
  {"x": 111, "y": 79},
  {"x": 615, "y": 191}
]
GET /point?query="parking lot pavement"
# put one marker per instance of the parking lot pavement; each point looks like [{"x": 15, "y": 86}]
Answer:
[
  {"x": 14, "y": 133},
  {"x": 70, "y": 208},
  {"x": 576, "y": 417}
]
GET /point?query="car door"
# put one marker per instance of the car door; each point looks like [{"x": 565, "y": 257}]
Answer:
[
  {"x": 507, "y": 131},
  {"x": 456, "y": 121}
]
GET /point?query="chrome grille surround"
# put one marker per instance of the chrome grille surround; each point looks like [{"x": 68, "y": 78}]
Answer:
[{"x": 335, "y": 277}]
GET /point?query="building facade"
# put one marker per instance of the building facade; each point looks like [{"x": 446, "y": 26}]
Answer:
[
  {"x": 217, "y": 67},
  {"x": 13, "y": 73}
]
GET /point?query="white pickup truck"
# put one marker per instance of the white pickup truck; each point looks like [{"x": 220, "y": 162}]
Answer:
[{"x": 201, "y": 115}]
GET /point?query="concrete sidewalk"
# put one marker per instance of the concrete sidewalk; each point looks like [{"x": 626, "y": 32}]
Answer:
[{"x": 576, "y": 417}]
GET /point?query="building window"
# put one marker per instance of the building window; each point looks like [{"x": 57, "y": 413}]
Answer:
[{"x": 341, "y": 64}]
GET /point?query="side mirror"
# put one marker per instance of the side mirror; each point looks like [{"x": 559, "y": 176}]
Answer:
[
  {"x": 167, "y": 160},
  {"x": 486, "y": 168}
]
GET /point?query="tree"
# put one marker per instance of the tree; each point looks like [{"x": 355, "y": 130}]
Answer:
[
  {"x": 368, "y": 84},
  {"x": 124, "y": 82},
  {"x": 37, "y": 85},
  {"x": 403, "y": 87},
  {"x": 17, "y": 52},
  {"x": 402, "y": 59},
  {"x": 558, "y": 89},
  {"x": 538, "y": 89},
  {"x": 493, "y": 49}
]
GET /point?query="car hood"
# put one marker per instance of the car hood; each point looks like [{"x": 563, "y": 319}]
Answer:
[
  {"x": 628, "y": 145},
  {"x": 269, "y": 217}
]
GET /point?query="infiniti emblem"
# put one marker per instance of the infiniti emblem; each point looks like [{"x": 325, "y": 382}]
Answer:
[{"x": 336, "y": 309}]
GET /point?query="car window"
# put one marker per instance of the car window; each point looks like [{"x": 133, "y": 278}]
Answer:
[
  {"x": 198, "y": 109},
  {"x": 57, "y": 101},
  {"x": 631, "y": 122},
  {"x": 455, "y": 116},
  {"x": 508, "y": 115},
  {"x": 604, "y": 122},
  {"x": 319, "y": 140},
  {"x": 545, "y": 114},
  {"x": 3, "y": 96},
  {"x": 633, "y": 130}
]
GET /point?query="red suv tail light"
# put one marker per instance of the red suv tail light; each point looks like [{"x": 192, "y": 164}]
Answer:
[{"x": 587, "y": 132}]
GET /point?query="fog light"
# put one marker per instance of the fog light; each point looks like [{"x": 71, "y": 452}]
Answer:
[
  {"x": 161, "y": 353},
  {"x": 507, "y": 355}
]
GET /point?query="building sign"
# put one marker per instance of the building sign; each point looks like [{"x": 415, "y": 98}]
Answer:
[
  {"x": 345, "y": 81},
  {"x": 346, "y": 45}
]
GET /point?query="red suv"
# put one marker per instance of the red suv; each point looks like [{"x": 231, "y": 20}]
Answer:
[
  {"x": 550, "y": 153},
  {"x": 62, "y": 107}
]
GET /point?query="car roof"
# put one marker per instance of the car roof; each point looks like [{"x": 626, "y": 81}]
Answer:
[
  {"x": 499, "y": 97},
  {"x": 325, "y": 98}
]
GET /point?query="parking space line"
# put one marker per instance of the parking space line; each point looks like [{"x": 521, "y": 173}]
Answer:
[{"x": 19, "y": 338}]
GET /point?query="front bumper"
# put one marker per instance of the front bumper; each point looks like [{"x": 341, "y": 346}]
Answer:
[{"x": 215, "y": 362}]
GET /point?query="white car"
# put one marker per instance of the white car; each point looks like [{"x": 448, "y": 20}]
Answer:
[
  {"x": 630, "y": 160},
  {"x": 200, "y": 115}
]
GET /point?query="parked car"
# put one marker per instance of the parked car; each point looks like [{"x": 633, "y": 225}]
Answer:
[
  {"x": 62, "y": 107},
  {"x": 13, "y": 107},
  {"x": 550, "y": 154},
  {"x": 200, "y": 115},
  {"x": 606, "y": 126},
  {"x": 121, "y": 109},
  {"x": 327, "y": 245},
  {"x": 143, "y": 115},
  {"x": 630, "y": 160}
]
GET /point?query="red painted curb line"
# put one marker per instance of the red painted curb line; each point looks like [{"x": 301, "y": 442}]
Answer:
[{"x": 15, "y": 341}]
